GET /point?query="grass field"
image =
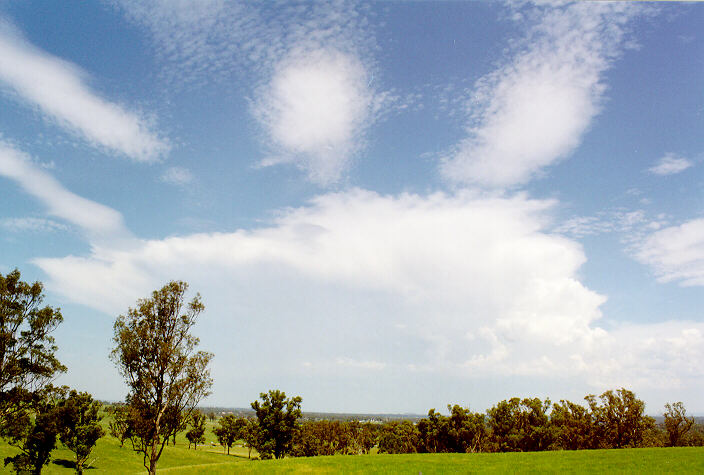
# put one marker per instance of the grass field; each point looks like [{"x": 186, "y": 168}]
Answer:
[{"x": 108, "y": 457}]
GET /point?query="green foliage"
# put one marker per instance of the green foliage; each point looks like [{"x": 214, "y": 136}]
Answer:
[
  {"x": 196, "y": 435},
  {"x": 278, "y": 421},
  {"x": 573, "y": 427},
  {"x": 120, "y": 426},
  {"x": 333, "y": 437},
  {"x": 520, "y": 425},
  {"x": 619, "y": 420},
  {"x": 79, "y": 425},
  {"x": 155, "y": 353},
  {"x": 34, "y": 436},
  {"x": 398, "y": 437},
  {"x": 677, "y": 423},
  {"x": 27, "y": 360},
  {"x": 229, "y": 430}
]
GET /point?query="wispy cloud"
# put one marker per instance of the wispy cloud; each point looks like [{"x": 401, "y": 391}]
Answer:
[
  {"x": 97, "y": 220},
  {"x": 31, "y": 224},
  {"x": 177, "y": 176},
  {"x": 534, "y": 110},
  {"x": 670, "y": 164},
  {"x": 676, "y": 253},
  {"x": 59, "y": 90}
]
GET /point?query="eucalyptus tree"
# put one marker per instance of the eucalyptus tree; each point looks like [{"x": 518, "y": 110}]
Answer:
[{"x": 156, "y": 354}]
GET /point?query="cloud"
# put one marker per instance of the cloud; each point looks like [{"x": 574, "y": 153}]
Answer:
[
  {"x": 59, "y": 90},
  {"x": 307, "y": 64},
  {"x": 29, "y": 224},
  {"x": 459, "y": 286},
  {"x": 315, "y": 111},
  {"x": 534, "y": 110},
  {"x": 670, "y": 164},
  {"x": 178, "y": 176},
  {"x": 97, "y": 220},
  {"x": 676, "y": 253}
]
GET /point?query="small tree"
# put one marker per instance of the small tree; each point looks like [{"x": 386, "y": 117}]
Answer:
[
  {"x": 278, "y": 419},
  {"x": 79, "y": 425},
  {"x": 27, "y": 361},
  {"x": 677, "y": 423},
  {"x": 120, "y": 425},
  {"x": 229, "y": 430},
  {"x": 35, "y": 436},
  {"x": 155, "y": 353},
  {"x": 197, "y": 434},
  {"x": 250, "y": 434},
  {"x": 619, "y": 421}
]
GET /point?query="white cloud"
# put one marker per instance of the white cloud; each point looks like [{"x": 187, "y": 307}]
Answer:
[
  {"x": 30, "y": 224},
  {"x": 670, "y": 164},
  {"x": 315, "y": 110},
  {"x": 178, "y": 176},
  {"x": 676, "y": 253},
  {"x": 458, "y": 286},
  {"x": 534, "y": 110},
  {"x": 60, "y": 92},
  {"x": 307, "y": 64},
  {"x": 97, "y": 220}
]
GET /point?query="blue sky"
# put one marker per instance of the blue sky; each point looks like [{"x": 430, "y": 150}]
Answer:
[{"x": 386, "y": 207}]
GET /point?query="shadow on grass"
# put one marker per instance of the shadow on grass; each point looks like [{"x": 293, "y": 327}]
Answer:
[{"x": 68, "y": 464}]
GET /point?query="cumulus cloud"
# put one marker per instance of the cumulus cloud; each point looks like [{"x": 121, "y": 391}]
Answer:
[
  {"x": 178, "y": 176},
  {"x": 534, "y": 110},
  {"x": 59, "y": 90},
  {"x": 95, "y": 219},
  {"x": 315, "y": 110},
  {"x": 676, "y": 253},
  {"x": 670, "y": 164}
]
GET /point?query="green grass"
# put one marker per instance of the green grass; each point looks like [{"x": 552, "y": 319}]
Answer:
[{"x": 108, "y": 457}]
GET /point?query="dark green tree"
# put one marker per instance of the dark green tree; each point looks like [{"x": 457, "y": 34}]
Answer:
[
  {"x": 27, "y": 360},
  {"x": 677, "y": 423},
  {"x": 156, "y": 354},
  {"x": 79, "y": 425},
  {"x": 250, "y": 435},
  {"x": 573, "y": 427},
  {"x": 466, "y": 430},
  {"x": 34, "y": 433},
  {"x": 278, "y": 420},
  {"x": 520, "y": 425},
  {"x": 619, "y": 419},
  {"x": 120, "y": 426},
  {"x": 398, "y": 437},
  {"x": 196, "y": 435}
]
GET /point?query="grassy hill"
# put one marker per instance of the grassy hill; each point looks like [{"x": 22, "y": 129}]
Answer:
[{"x": 108, "y": 457}]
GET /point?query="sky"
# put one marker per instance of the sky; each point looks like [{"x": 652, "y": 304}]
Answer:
[{"x": 386, "y": 207}]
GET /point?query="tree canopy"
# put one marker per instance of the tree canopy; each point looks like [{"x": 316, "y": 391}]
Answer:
[
  {"x": 156, "y": 354},
  {"x": 27, "y": 350},
  {"x": 278, "y": 420}
]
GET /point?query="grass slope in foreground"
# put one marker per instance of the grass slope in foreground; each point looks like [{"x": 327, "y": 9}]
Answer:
[{"x": 108, "y": 457}]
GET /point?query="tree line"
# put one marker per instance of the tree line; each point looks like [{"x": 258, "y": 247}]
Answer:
[{"x": 168, "y": 376}]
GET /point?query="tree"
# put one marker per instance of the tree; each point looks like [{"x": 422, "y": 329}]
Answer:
[
  {"x": 197, "y": 434},
  {"x": 79, "y": 425},
  {"x": 250, "y": 434},
  {"x": 27, "y": 360},
  {"x": 34, "y": 433},
  {"x": 619, "y": 420},
  {"x": 229, "y": 430},
  {"x": 573, "y": 426},
  {"x": 520, "y": 425},
  {"x": 120, "y": 426},
  {"x": 677, "y": 423},
  {"x": 398, "y": 438},
  {"x": 278, "y": 420},
  {"x": 155, "y": 353}
]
